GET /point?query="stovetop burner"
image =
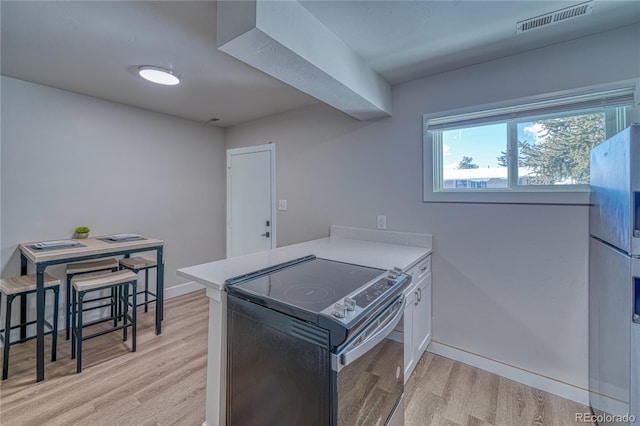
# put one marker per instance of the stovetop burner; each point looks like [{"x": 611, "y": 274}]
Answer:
[
  {"x": 310, "y": 294},
  {"x": 311, "y": 285}
]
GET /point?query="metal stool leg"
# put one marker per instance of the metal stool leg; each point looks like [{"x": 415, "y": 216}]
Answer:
[
  {"x": 135, "y": 309},
  {"x": 125, "y": 300},
  {"x": 7, "y": 337},
  {"x": 54, "y": 332},
  {"x": 68, "y": 307},
  {"x": 146, "y": 290},
  {"x": 74, "y": 324},
  {"x": 114, "y": 302},
  {"x": 79, "y": 333}
]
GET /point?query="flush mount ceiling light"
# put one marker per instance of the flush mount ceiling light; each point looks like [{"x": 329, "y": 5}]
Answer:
[{"x": 158, "y": 75}]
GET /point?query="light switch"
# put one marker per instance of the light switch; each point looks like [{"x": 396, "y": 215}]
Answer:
[
  {"x": 282, "y": 204},
  {"x": 382, "y": 222}
]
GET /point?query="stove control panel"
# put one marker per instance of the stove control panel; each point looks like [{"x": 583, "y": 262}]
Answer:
[
  {"x": 371, "y": 293},
  {"x": 355, "y": 304}
]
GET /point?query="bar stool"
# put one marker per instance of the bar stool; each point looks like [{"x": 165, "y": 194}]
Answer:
[
  {"x": 23, "y": 285},
  {"x": 118, "y": 281},
  {"x": 80, "y": 268},
  {"x": 137, "y": 264}
]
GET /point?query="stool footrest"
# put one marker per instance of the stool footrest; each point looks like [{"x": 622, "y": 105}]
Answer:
[
  {"x": 93, "y": 308},
  {"x": 112, "y": 329},
  {"x": 97, "y": 299},
  {"x": 26, "y": 339},
  {"x": 100, "y": 321}
]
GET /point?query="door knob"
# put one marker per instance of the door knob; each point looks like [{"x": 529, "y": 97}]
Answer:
[{"x": 266, "y": 234}]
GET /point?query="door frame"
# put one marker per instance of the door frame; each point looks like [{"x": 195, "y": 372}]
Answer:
[{"x": 271, "y": 147}]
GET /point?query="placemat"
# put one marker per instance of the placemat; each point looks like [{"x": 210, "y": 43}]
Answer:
[
  {"x": 74, "y": 245},
  {"x": 122, "y": 240}
]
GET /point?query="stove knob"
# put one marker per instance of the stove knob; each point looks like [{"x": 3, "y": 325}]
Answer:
[
  {"x": 338, "y": 311},
  {"x": 397, "y": 270},
  {"x": 350, "y": 304}
]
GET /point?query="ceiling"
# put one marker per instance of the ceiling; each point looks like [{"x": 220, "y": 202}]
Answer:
[{"x": 94, "y": 47}]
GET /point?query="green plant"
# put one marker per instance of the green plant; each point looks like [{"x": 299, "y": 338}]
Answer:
[{"x": 82, "y": 230}]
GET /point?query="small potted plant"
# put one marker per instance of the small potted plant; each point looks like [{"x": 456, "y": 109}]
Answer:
[{"x": 82, "y": 232}]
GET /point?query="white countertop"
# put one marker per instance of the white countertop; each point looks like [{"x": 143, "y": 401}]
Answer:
[{"x": 359, "y": 252}]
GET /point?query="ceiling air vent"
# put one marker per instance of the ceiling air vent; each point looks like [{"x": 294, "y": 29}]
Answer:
[{"x": 555, "y": 17}]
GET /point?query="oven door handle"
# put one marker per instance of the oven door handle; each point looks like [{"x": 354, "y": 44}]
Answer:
[{"x": 381, "y": 333}]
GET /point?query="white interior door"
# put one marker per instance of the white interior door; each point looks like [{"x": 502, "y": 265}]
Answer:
[{"x": 250, "y": 199}]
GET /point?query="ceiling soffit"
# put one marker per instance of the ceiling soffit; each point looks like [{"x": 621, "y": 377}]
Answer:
[{"x": 284, "y": 40}]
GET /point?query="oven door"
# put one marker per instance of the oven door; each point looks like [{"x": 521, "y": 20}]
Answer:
[{"x": 369, "y": 373}]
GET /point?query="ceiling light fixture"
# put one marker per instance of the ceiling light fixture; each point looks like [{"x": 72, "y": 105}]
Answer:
[{"x": 158, "y": 75}]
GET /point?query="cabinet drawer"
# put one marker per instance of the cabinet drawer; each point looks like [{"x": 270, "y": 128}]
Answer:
[{"x": 421, "y": 269}]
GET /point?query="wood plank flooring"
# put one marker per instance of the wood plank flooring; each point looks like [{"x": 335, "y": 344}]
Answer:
[
  {"x": 445, "y": 392},
  {"x": 163, "y": 383}
]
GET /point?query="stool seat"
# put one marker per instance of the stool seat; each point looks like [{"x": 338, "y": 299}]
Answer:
[
  {"x": 91, "y": 265},
  {"x": 106, "y": 279},
  {"x": 25, "y": 283},
  {"x": 139, "y": 262}
]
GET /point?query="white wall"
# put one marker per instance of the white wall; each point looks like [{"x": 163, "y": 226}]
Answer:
[
  {"x": 70, "y": 160},
  {"x": 510, "y": 281}
]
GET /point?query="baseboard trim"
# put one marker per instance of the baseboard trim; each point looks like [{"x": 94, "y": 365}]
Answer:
[
  {"x": 528, "y": 378},
  {"x": 182, "y": 289}
]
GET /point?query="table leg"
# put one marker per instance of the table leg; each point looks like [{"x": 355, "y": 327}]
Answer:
[
  {"x": 23, "y": 299},
  {"x": 40, "y": 321},
  {"x": 159, "y": 291}
]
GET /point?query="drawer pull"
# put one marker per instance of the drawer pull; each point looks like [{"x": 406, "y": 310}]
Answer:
[{"x": 424, "y": 268}]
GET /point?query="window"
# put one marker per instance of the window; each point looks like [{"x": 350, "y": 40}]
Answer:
[{"x": 536, "y": 147}]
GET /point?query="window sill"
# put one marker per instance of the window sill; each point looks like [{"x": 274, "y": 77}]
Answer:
[{"x": 579, "y": 198}]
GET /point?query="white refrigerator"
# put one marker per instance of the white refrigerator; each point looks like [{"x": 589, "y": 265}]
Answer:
[{"x": 614, "y": 279}]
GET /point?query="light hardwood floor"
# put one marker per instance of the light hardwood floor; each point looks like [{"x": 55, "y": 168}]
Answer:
[
  {"x": 445, "y": 392},
  {"x": 163, "y": 383}
]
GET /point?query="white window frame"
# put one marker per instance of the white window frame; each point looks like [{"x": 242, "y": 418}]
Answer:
[{"x": 520, "y": 108}]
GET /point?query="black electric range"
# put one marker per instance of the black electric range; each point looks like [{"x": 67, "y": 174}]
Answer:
[
  {"x": 334, "y": 295},
  {"x": 302, "y": 335}
]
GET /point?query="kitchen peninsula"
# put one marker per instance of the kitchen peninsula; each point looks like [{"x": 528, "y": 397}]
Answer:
[{"x": 372, "y": 248}]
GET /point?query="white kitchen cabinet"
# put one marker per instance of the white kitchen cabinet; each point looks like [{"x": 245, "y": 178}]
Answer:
[{"x": 417, "y": 315}]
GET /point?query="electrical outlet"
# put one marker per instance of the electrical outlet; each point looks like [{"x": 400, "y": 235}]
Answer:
[
  {"x": 282, "y": 204},
  {"x": 382, "y": 222}
]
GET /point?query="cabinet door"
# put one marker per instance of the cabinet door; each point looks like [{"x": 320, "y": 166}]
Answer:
[
  {"x": 422, "y": 318},
  {"x": 409, "y": 351}
]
